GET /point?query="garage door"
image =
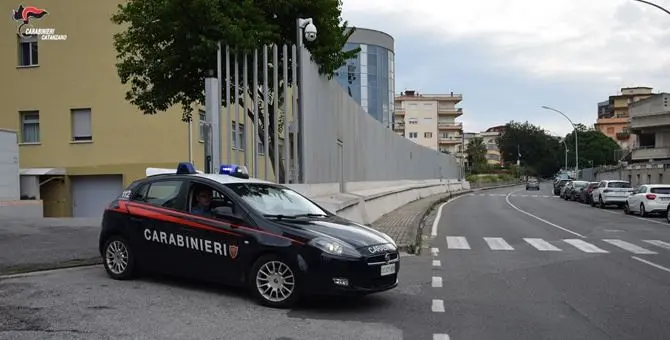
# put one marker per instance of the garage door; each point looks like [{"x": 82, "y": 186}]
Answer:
[{"x": 92, "y": 194}]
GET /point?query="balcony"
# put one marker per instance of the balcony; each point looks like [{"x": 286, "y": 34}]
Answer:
[
  {"x": 449, "y": 126},
  {"x": 399, "y": 126},
  {"x": 622, "y": 135},
  {"x": 449, "y": 111},
  {"x": 650, "y": 114},
  {"x": 650, "y": 153},
  {"x": 399, "y": 111},
  {"x": 450, "y": 140}
]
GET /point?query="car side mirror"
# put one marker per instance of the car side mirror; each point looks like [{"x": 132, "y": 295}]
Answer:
[{"x": 226, "y": 213}]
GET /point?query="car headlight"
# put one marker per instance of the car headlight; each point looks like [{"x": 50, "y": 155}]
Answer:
[{"x": 334, "y": 247}]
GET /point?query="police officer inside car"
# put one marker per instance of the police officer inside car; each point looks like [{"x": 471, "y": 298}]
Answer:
[{"x": 203, "y": 198}]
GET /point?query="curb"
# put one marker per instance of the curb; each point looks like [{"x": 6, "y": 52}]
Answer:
[
  {"x": 40, "y": 267},
  {"x": 418, "y": 239}
]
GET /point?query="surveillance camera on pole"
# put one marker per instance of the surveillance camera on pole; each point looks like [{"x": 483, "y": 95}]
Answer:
[{"x": 307, "y": 25}]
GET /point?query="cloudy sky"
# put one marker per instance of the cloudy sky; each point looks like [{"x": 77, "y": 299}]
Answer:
[{"x": 509, "y": 57}]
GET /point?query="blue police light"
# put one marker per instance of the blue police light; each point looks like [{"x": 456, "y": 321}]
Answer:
[
  {"x": 186, "y": 168},
  {"x": 234, "y": 170}
]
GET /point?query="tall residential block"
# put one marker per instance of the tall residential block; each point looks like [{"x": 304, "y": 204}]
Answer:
[
  {"x": 613, "y": 115},
  {"x": 430, "y": 120}
]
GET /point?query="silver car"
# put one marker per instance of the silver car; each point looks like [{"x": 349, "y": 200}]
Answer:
[{"x": 533, "y": 184}]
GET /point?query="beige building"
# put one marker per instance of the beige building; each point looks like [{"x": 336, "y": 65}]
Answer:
[
  {"x": 489, "y": 138},
  {"x": 430, "y": 120},
  {"x": 613, "y": 115},
  {"x": 80, "y": 141}
]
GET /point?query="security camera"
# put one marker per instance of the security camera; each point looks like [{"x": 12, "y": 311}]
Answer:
[{"x": 310, "y": 32}]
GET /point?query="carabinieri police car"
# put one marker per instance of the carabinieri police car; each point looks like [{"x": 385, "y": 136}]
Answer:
[{"x": 237, "y": 230}]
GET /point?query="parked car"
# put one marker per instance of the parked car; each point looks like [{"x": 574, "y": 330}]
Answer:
[
  {"x": 574, "y": 192},
  {"x": 611, "y": 192},
  {"x": 567, "y": 184},
  {"x": 648, "y": 199},
  {"x": 586, "y": 193},
  {"x": 559, "y": 185}
]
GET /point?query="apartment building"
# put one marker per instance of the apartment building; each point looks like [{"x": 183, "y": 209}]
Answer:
[
  {"x": 80, "y": 141},
  {"x": 490, "y": 140},
  {"x": 650, "y": 122},
  {"x": 613, "y": 115},
  {"x": 430, "y": 120}
]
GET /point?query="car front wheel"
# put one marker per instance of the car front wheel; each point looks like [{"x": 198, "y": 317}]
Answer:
[
  {"x": 119, "y": 260},
  {"x": 274, "y": 283}
]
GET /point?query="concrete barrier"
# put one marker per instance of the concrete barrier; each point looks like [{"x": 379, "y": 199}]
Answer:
[
  {"x": 21, "y": 208},
  {"x": 365, "y": 202}
]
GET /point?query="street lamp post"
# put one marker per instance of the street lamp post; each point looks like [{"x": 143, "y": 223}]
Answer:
[
  {"x": 654, "y": 5},
  {"x": 566, "y": 153},
  {"x": 576, "y": 139}
]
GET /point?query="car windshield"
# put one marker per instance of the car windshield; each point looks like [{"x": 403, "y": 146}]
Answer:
[
  {"x": 618, "y": 185},
  {"x": 580, "y": 184},
  {"x": 661, "y": 190},
  {"x": 270, "y": 199}
]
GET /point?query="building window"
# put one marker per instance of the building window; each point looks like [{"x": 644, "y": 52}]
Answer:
[
  {"x": 610, "y": 130},
  {"x": 30, "y": 126},
  {"x": 413, "y": 135},
  {"x": 427, "y": 120},
  {"x": 28, "y": 52},
  {"x": 260, "y": 148},
  {"x": 233, "y": 135},
  {"x": 202, "y": 116},
  {"x": 427, "y": 106},
  {"x": 81, "y": 125},
  {"x": 413, "y": 121},
  {"x": 427, "y": 135},
  {"x": 241, "y": 137}
]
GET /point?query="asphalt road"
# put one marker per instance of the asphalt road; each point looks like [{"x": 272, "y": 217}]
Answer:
[
  {"x": 512, "y": 264},
  {"x": 83, "y": 303},
  {"x": 544, "y": 271}
]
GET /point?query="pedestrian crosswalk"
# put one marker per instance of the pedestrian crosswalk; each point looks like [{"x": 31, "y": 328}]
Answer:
[
  {"x": 514, "y": 195},
  {"x": 591, "y": 246}
]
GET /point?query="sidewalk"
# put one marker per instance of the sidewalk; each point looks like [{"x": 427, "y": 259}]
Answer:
[
  {"x": 47, "y": 243},
  {"x": 403, "y": 223}
]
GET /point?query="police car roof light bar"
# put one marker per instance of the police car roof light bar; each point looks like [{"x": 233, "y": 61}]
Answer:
[
  {"x": 186, "y": 168},
  {"x": 239, "y": 171}
]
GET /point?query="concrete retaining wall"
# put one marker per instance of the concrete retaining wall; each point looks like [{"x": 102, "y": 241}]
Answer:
[{"x": 365, "y": 202}]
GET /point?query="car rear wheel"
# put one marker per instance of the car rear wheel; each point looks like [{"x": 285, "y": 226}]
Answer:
[
  {"x": 667, "y": 215},
  {"x": 601, "y": 203},
  {"x": 119, "y": 260},
  {"x": 626, "y": 209},
  {"x": 274, "y": 282}
]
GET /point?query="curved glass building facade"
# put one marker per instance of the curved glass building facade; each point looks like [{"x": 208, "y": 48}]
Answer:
[{"x": 370, "y": 77}]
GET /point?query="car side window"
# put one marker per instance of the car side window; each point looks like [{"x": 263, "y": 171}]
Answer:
[
  {"x": 202, "y": 199},
  {"x": 163, "y": 193}
]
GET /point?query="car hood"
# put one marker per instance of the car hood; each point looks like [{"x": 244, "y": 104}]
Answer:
[{"x": 355, "y": 234}]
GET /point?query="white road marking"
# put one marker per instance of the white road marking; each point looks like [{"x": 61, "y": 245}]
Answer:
[
  {"x": 534, "y": 196},
  {"x": 630, "y": 247},
  {"x": 457, "y": 242},
  {"x": 436, "y": 223},
  {"x": 438, "y": 306},
  {"x": 441, "y": 337},
  {"x": 497, "y": 243},
  {"x": 541, "y": 244},
  {"x": 437, "y": 282},
  {"x": 658, "y": 266},
  {"x": 658, "y": 243},
  {"x": 435, "y": 251},
  {"x": 585, "y": 246},
  {"x": 541, "y": 219},
  {"x": 437, "y": 263}
]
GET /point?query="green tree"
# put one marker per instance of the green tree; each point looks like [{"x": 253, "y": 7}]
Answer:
[
  {"x": 539, "y": 151},
  {"x": 167, "y": 47},
  {"x": 595, "y": 148},
  {"x": 476, "y": 151}
]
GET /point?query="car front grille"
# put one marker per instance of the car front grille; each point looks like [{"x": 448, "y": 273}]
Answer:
[{"x": 381, "y": 259}]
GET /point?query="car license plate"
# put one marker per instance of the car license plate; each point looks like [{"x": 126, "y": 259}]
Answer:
[
  {"x": 665, "y": 198},
  {"x": 388, "y": 269}
]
